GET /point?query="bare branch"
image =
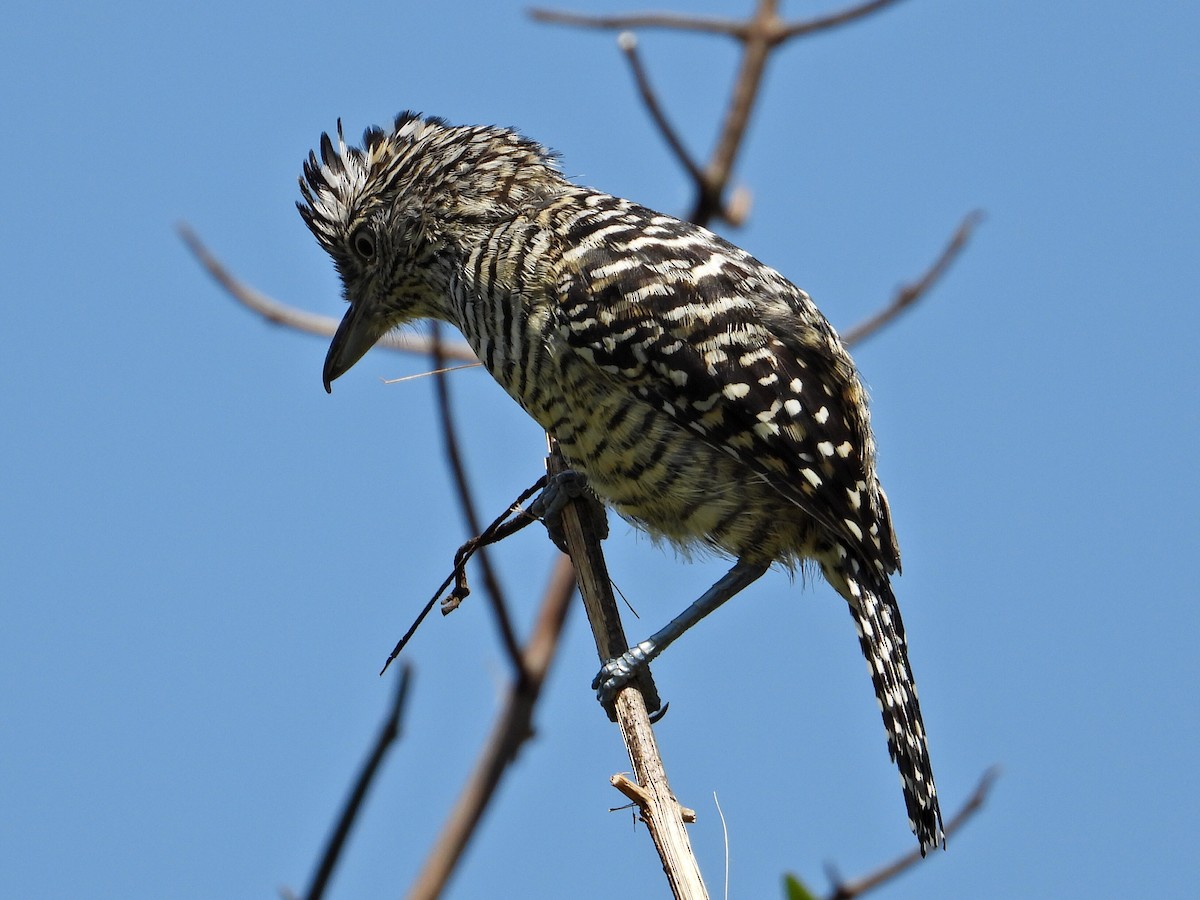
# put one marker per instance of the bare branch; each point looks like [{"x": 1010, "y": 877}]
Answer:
[
  {"x": 675, "y": 21},
  {"x": 491, "y": 582},
  {"x": 628, "y": 44},
  {"x": 281, "y": 314},
  {"x": 756, "y": 49},
  {"x": 847, "y": 890},
  {"x": 583, "y": 526},
  {"x": 512, "y": 728},
  {"x": 740, "y": 29},
  {"x": 760, "y": 34},
  {"x": 911, "y": 293},
  {"x": 820, "y": 23},
  {"x": 387, "y": 736}
]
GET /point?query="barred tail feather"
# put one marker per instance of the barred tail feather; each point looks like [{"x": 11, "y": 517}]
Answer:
[{"x": 881, "y": 636}]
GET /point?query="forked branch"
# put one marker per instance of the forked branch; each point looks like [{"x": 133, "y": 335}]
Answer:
[
  {"x": 759, "y": 35},
  {"x": 777, "y": 30}
]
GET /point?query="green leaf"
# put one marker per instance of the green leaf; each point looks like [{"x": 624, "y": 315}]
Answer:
[{"x": 795, "y": 888}]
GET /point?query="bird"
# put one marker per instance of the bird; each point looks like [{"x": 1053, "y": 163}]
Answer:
[{"x": 697, "y": 391}]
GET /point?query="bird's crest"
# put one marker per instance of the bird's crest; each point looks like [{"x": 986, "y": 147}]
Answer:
[{"x": 456, "y": 172}]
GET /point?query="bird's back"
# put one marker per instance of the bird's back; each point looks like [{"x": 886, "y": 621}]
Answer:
[{"x": 704, "y": 396}]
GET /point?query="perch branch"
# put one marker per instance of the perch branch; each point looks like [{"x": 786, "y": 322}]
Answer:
[{"x": 583, "y": 526}]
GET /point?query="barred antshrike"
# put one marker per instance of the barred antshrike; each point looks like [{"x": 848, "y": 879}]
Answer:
[{"x": 702, "y": 395}]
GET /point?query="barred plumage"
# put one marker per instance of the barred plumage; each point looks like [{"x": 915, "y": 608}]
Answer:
[{"x": 704, "y": 396}]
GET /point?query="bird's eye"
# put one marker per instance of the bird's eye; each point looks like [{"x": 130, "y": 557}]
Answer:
[{"x": 363, "y": 242}]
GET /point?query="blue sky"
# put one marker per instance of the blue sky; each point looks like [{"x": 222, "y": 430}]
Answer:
[{"x": 205, "y": 558}]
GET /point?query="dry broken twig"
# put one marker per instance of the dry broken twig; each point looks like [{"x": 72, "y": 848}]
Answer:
[{"x": 509, "y": 522}]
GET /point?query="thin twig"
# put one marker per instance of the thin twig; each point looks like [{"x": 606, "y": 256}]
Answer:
[
  {"x": 337, "y": 841},
  {"x": 282, "y": 314},
  {"x": 820, "y": 23},
  {"x": 674, "y": 21},
  {"x": 445, "y": 370},
  {"x": 846, "y": 890},
  {"x": 491, "y": 582},
  {"x": 513, "y": 727},
  {"x": 509, "y": 522},
  {"x": 628, "y": 44},
  {"x": 735, "y": 28},
  {"x": 911, "y": 293}
]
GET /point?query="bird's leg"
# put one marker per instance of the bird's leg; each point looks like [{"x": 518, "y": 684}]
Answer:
[{"x": 618, "y": 672}]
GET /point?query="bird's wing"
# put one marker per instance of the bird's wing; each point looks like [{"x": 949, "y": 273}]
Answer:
[{"x": 735, "y": 353}]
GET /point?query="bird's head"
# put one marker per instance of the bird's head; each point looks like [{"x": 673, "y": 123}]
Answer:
[{"x": 399, "y": 216}]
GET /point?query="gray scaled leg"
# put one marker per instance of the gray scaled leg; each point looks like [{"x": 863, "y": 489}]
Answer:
[{"x": 618, "y": 672}]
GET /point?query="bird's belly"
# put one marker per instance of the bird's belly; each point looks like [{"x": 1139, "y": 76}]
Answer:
[{"x": 669, "y": 482}]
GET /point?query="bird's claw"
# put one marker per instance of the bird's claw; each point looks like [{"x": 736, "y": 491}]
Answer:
[
  {"x": 619, "y": 671},
  {"x": 560, "y": 490}
]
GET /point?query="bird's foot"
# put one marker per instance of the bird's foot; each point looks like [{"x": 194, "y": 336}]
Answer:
[
  {"x": 619, "y": 671},
  {"x": 560, "y": 490}
]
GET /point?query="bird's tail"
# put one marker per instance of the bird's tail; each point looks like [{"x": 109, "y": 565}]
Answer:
[{"x": 881, "y": 636}]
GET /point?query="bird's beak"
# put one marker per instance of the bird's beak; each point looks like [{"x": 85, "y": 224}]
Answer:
[{"x": 357, "y": 334}]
